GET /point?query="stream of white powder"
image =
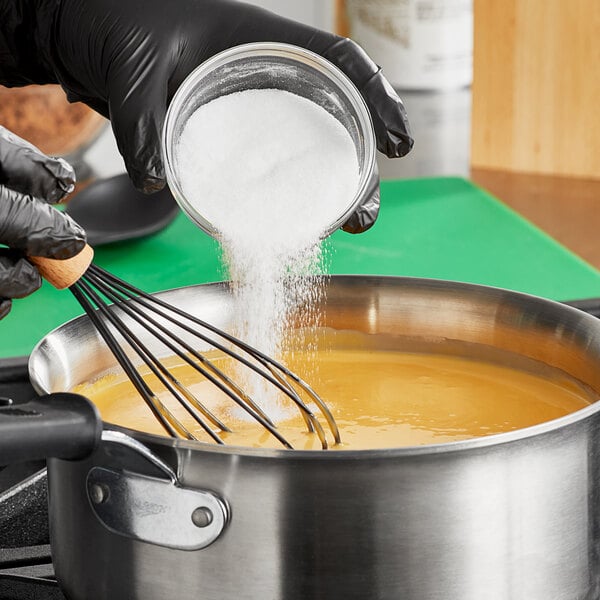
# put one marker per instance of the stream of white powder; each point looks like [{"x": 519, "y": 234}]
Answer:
[{"x": 271, "y": 171}]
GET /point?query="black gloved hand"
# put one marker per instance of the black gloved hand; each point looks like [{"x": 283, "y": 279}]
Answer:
[
  {"x": 127, "y": 58},
  {"x": 28, "y": 225}
]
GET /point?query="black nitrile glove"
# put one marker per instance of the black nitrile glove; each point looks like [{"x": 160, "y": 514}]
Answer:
[
  {"x": 28, "y": 225},
  {"x": 126, "y": 59}
]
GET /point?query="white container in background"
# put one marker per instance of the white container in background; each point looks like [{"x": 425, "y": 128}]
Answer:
[
  {"x": 318, "y": 13},
  {"x": 420, "y": 44},
  {"x": 441, "y": 125}
]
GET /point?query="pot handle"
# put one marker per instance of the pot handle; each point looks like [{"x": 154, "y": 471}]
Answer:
[
  {"x": 61, "y": 425},
  {"x": 160, "y": 511}
]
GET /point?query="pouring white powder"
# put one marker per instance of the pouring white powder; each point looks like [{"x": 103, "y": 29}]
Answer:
[{"x": 271, "y": 171}]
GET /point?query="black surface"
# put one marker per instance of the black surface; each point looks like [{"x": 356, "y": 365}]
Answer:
[
  {"x": 24, "y": 513},
  {"x": 15, "y": 387},
  {"x": 23, "y": 486},
  {"x": 590, "y": 306},
  {"x": 27, "y": 574},
  {"x": 112, "y": 210},
  {"x": 27, "y": 588},
  {"x": 26, "y": 571}
]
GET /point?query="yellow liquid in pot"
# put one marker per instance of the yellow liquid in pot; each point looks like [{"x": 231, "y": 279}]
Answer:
[{"x": 380, "y": 399}]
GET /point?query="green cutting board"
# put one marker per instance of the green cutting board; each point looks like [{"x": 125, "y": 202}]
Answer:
[{"x": 445, "y": 228}]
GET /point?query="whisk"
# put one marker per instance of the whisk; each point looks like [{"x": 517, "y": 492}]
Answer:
[{"x": 107, "y": 299}]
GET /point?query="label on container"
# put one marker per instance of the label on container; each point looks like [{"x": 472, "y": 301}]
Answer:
[{"x": 421, "y": 44}]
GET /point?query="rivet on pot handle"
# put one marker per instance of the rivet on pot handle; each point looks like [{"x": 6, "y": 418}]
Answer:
[{"x": 154, "y": 510}]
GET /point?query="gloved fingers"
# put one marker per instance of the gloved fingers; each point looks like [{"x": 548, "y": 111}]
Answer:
[
  {"x": 137, "y": 112},
  {"x": 18, "y": 277},
  {"x": 26, "y": 169},
  {"x": 390, "y": 121},
  {"x": 36, "y": 228},
  {"x": 5, "y": 306},
  {"x": 365, "y": 215}
]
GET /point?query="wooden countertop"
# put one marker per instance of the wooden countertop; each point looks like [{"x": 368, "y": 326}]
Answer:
[{"x": 567, "y": 208}]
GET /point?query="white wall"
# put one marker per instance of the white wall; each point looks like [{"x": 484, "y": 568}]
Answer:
[{"x": 318, "y": 13}]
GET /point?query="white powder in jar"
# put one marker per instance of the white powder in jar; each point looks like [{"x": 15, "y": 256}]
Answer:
[{"x": 271, "y": 171}]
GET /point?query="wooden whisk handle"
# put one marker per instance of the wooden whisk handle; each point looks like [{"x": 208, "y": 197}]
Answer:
[{"x": 64, "y": 273}]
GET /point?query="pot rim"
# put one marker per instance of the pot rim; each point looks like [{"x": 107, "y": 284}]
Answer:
[
  {"x": 471, "y": 444},
  {"x": 475, "y": 443}
]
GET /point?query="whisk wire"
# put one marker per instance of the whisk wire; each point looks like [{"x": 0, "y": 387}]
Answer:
[
  {"x": 157, "y": 408},
  {"x": 241, "y": 399},
  {"x": 125, "y": 297},
  {"x": 148, "y": 300},
  {"x": 140, "y": 297},
  {"x": 119, "y": 303},
  {"x": 156, "y": 367}
]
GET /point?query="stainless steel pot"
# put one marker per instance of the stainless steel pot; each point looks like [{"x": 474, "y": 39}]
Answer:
[{"x": 514, "y": 516}]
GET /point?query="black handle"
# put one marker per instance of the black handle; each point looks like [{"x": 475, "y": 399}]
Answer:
[
  {"x": 57, "y": 425},
  {"x": 588, "y": 305}
]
